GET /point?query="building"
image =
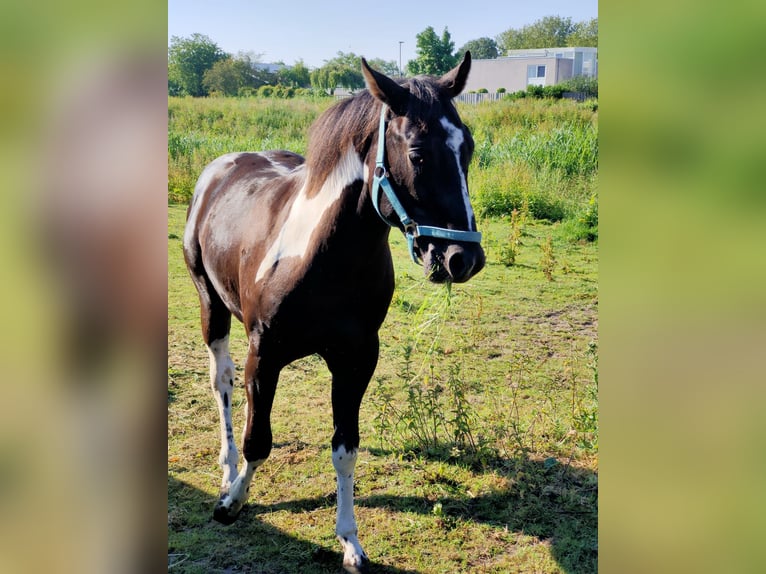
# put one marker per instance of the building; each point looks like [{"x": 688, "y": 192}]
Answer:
[
  {"x": 268, "y": 67},
  {"x": 542, "y": 67}
]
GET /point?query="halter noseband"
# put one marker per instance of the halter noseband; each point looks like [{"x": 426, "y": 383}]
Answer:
[{"x": 411, "y": 228}]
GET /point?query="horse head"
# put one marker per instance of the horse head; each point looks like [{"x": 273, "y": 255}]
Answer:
[{"x": 422, "y": 161}]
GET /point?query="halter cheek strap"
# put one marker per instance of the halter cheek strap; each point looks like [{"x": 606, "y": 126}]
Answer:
[{"x": 411, "y": 228}]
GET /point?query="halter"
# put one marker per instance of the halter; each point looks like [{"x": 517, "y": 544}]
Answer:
[{"x": 411, "y": 228}]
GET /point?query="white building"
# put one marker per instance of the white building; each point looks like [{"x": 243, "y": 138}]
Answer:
[{"x": 542, "y": 67}]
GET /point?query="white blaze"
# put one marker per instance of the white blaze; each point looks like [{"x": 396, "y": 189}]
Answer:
[
  {"x": 454, "y": 141},
  {"x": 306, "y": 213}
]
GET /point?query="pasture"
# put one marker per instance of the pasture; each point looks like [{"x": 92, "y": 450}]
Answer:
[{"x": 480, "y": 426}]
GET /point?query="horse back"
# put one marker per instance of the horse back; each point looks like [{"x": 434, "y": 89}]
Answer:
[{"x": 233, "y": 196}]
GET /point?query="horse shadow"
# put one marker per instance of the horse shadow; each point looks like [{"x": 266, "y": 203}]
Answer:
[
  {"x": 199, "y": 545},
  {"x": 553, "y": 502}
]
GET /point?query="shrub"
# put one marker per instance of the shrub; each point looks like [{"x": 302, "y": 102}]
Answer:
[
  {"x": 588, "y": 86},
  {"x": 553, "y": 91},
  {"x": 266, "y": 91},
  {"x": 534, "y": 91},
  {"x": 284, "y": 92},
  {"x": 482, "y": 91},
  {"x": 583, "y": 227},
  {"x": 590, "y": 216},
  {"x": 501, "y": 90}
]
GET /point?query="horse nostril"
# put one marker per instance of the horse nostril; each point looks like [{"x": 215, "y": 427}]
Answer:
[{"x": 457, "y": 266}]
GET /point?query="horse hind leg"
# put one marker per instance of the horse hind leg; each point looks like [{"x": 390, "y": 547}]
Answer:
[
  {"x": 260, "y": 385},
  {"x": 222, "y": 374},
  {"x": 216, "y": 324}
]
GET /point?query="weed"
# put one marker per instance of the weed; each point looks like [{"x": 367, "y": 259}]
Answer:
[
  {"x": 548, "y": 259},
  {"x": 437, "y": 417},
  {"x": 510, "y": 249},
  {"x": 516, "y": 429},
  {"x": 586, "y": 413}
]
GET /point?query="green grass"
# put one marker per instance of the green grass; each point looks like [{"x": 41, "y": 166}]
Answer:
[
  {"x": 480, "y": 426},
  {"x": 518, "y": 493},
  {"x": 201, "y": 129},
  {"x": 541, "y": 153}
]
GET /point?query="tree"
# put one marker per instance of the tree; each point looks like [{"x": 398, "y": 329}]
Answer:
[
  {"x": 388, "y": 67},
  {"x": 548, "y": 32},
  {"x": 227, "y": 77},
  {"x": 481, "y": 49},
  {"x": 584, "y": 34},
  {"x": 297, "y": 75},
  {"x": 434, "y": 55},
  {"x": 188, "y": 60},
  {"x": 342, "y": 71}
]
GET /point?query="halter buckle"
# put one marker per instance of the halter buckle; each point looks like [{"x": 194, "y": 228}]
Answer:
[{"x": 411, "y": 228}]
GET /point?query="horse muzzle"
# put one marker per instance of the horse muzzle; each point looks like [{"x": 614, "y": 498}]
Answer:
[{"x": 452, "y": 262}]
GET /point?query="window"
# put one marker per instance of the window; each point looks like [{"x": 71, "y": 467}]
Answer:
[{"x": 535, "y": 72}]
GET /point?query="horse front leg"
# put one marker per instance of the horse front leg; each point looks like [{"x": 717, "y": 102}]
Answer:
[
  {"x": 260, "y": 385},
  {"x": 352, "y": 369}
]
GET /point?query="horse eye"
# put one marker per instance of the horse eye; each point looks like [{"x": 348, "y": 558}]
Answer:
[{"x": 416, "y": 159}]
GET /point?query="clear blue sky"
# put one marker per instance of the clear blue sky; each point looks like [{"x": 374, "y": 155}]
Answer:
[{"x": 315, "y": 30}]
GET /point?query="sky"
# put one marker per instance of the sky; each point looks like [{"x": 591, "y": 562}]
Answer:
[{"x": 316, "y": 30}]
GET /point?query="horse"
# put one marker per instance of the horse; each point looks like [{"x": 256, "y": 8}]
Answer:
[{"x": 297, "y": 249}]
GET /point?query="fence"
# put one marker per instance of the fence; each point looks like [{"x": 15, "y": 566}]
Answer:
[
  {"x": 577, "y": 96},
  {"x": 476, "y": 98},
  {"x": 473, "y": 98}
]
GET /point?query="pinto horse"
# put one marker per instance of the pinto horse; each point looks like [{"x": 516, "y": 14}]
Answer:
[{"x": 298, "y": 251}]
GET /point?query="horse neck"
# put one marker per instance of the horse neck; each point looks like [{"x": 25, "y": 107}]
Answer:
[{"x": 353, "y": 129}]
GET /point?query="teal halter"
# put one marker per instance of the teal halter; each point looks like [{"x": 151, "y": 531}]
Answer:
[{"x": 411, "y": 228}]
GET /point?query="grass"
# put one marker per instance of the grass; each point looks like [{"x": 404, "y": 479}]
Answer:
[
  {"x": 524, "y": 500},
  {"x": 480, "y": 426},
  {"x": 540, "y": 153}
]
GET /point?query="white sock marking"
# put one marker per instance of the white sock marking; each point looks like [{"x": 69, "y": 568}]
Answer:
[
  {"x": 345, "y": 526},
  {"x": 306, "y": 214},
  {"x": 221, "y": 378},
  {"x": 454, "y": 141},
  {"x": 238, "y": 493}
]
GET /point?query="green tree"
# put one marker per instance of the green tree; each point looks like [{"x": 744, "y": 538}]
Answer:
[
  {"x": 481, "y": 49},
  {"x": 435, "y": 55},
  {"x": 388, "y": 67},
  {"x": 548, "y": 32},
  {"x": 188, "y": 60},
  {"x": 342, "y": 71},
  {"x": 227, "y": 77},
  {"x": 324, "y": 80},
  {"x": 297, "y": 75},
  {"x": 584, "y": 34}
]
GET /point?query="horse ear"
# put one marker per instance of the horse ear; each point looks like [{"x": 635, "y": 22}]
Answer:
[
  {"x": 385, "y": 89},
  {"x": 454, "y": 81}
]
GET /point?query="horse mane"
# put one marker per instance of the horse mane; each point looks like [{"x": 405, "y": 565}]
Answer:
[{"x": 353, "y": 121}]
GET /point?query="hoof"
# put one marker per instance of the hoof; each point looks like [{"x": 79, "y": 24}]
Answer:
[
  {"x": 225, "y": 514},
  {"x": 361, "y": 566}
]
